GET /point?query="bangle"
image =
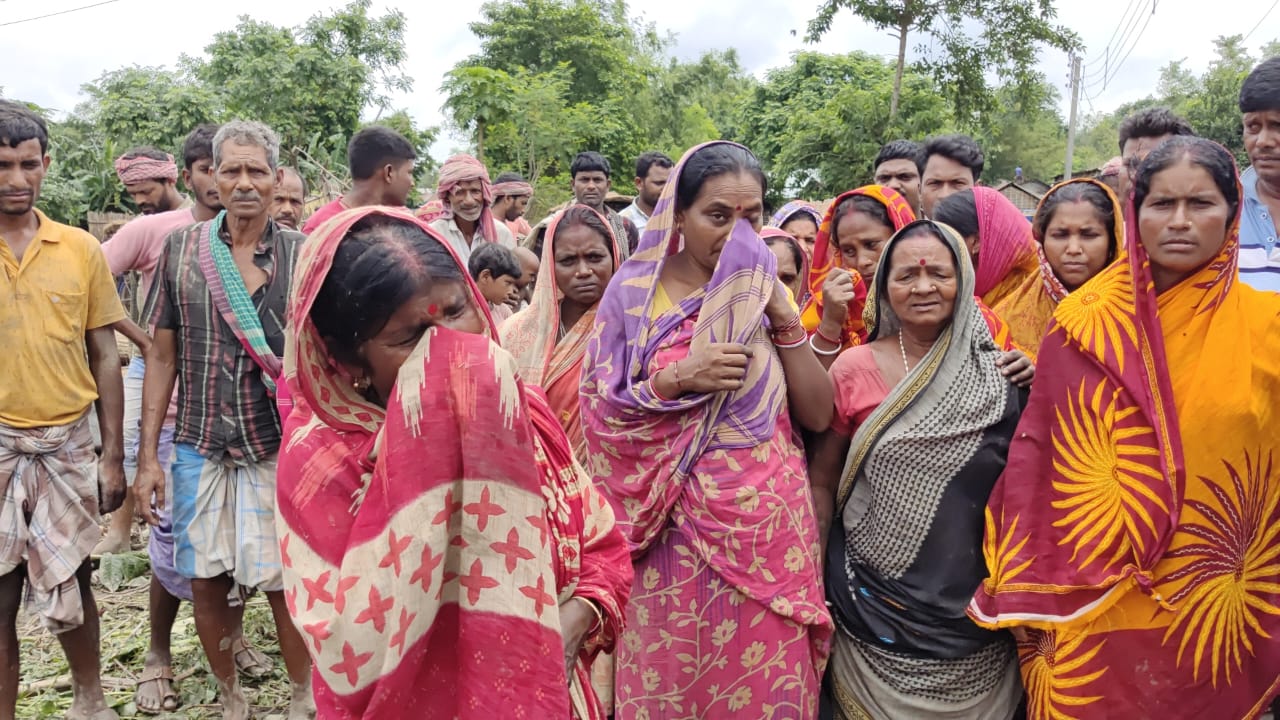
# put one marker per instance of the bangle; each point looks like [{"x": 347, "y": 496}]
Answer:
[
  {"x": 834, "y": 341},
  {"x": 792, "y": 345},
  {"x": 594, "y": 608},
  {"x": 675, "y": 368},
  {"x": 653, "y": 388},
  {"x": 786, "y": 327},
  {"x": 820, "y": 351}
]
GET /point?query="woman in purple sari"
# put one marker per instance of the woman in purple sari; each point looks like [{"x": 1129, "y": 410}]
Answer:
[{"x": 696, "y": 354}]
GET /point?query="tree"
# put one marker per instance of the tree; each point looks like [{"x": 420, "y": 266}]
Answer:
[
  {"x": 817, "y": 124},
  {"x": 478, "y": 96},
  {"x": 610, "y": 56},
  {"x": 1024, "y": 131},
  {"x": 149, "y": 106},
  {"x": 1012, "y": 31},
  {"x": 1214, "y": 111}
]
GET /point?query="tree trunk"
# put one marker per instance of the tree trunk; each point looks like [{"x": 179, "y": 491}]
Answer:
[{"x": 903, "y": 26}]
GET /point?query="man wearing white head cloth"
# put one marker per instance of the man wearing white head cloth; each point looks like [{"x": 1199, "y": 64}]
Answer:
[
  {"x": 151, "y": 179},
  {"x": 467, "y": 218}
]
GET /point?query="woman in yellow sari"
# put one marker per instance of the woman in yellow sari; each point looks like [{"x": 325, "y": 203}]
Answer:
[
  {"x": 1078, "y": 229},
  {"x": 1133, "y": 541}
]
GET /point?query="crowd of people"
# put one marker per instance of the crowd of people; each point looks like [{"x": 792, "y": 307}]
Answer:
[{"x": 904, "y": 453}]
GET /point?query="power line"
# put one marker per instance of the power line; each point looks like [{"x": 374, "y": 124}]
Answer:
[
  {"x": 1106, "y": 53},
  {"x": 1129, "y": 52},
  {"x": 55, "y": 14},
  {"x": 1264, "y": 17}
]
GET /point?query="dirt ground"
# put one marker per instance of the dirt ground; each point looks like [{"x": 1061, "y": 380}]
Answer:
[{"x": 46, "y": 684}]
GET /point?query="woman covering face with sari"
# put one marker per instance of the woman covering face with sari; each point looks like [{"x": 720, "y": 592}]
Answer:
[
  {"x": 1078, "y": 230},
  {"x": 443, "y": 554},
  {"x": 853, "y": 235},
  {"x": 1133, "y": 540},
  {"x": 922, "y": 426},
  {"x": 696, "y": 354}
]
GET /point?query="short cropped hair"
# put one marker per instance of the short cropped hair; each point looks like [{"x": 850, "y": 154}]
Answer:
[
  {"x": 376, "y": 147},
  {"x": 495, "y": 258},
  {"x": 1153, "y": 123},
  {"x": 590, "y": 161},
  {"x": 958, "y": 148}
]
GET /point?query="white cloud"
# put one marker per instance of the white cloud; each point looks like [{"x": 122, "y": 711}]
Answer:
[{"x": 55, "y": 56}]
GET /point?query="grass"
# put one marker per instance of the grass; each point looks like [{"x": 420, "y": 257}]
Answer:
[{"x": 46, "y": 686}]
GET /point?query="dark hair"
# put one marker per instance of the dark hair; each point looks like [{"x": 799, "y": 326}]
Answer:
[
  {"x": 713, "y": 161},
  {"x": 868, "y": 206},
  {"x": 508, "y": 177},
  {"x": 957, "y": 148},
  {"x": 379, "y": 265},
  {"x": 19, "y": 124},
  {"x": 145, "y": 151},
  {"x": 198, "y": 145},
  {"x": 1205, "y": 153},
  {"x": 1260, "y": 91},
  {"x": 960, "y": 211},
  {"x": 648, "y": 160},
  {"x": 583, "y": 216},
  {"x": 794, "y": 245},
  {"x": 287, "y": 170},
  {"x": 1075, "y": 192},
  {"x": 1153, "y": 123},
  {"x": 496, "y": 259},
  {"x": 375, "y": 147},
  {"x": 897, "y": 150},
  {"x": 590, "y": 161}
]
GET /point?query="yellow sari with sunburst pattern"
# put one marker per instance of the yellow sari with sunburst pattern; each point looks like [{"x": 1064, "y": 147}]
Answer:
[{"x": 1135, "y": 534}]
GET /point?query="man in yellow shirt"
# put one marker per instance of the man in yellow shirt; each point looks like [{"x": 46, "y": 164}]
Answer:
[{"x": 57, "y": 305}]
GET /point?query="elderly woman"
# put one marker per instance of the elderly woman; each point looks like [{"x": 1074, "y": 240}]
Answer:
[
  {"x": 922, "y": 426},
  {"x": 1132, "y": 541},
  {"x": 853, "y": 235},
  {"x": 442, "y": 548},
  {"x": 1079, "y": 229},
  {"x": 696, "y": 355}
]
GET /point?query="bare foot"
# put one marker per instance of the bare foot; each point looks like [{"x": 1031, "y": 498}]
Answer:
[
  {"x": 155, "y": 693},
  {"x": 234, "y": 704},
  {"x": 112, "y": 544},
  {"x": 302, "y": 706},
  {"x": 90, "y": 711}
]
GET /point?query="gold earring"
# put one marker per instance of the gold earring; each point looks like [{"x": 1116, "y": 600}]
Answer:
[{"x": 360, "y": 384}]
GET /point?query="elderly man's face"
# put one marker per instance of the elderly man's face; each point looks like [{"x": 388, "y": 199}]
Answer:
[
  {"x": 245, "y": 180},
  {"x": 287, "y": 201}
]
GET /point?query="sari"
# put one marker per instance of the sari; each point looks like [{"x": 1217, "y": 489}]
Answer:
[
  {"x": 1007, "y": 254},
  {"x": 427, "y": 547},
  {"x": 827, "y": 255},
  {"x": 1028, "y": 308},
  {"x": 556, "y": 367},
  {"x": 793, "y": 208},
  {"x": 554, "y": 364},
  {"x": 904, "y": 556},
  {"x": 727, "y": 614},
  {"x": 1136, "y": 529}
]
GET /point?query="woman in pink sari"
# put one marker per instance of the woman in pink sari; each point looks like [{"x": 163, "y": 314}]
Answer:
[
  {"x": 443, "y": 554},
  {"x": 696, "y": 354}
]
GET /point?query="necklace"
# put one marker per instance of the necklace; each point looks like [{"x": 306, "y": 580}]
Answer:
[{"x": 902, "y": 346}]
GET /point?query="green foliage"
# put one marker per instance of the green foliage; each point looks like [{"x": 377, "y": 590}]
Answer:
[
  {"x": 1012, "y": 32},
  {"x": 818, "y": 123},
  {"x": 311, "y": 84},
  {"x": 1024, "y": 130}
]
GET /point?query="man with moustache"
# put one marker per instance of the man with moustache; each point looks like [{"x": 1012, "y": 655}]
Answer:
[
  {"x": 652, "y": 170},
  {"x": 218, "y": 307},
  {"x": 59, "y": 362},
  {"x": 895, "y": 167},
  {"x": 137, "y": 248},
  {"x": 1260, "y": 214},
  {"x": 592, "y": 177},
  {"x": 467, "y": 196},
  {"x": 289, "y": 201},
  {"x": 151, "y": 179}
]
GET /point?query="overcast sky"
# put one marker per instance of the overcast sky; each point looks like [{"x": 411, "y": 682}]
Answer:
[{"x": 47, "y": 60}]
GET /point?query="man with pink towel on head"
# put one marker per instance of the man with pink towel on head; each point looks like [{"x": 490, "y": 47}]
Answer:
[{"x": 466, "y": 217}]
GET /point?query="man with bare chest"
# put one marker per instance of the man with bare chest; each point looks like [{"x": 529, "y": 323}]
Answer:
[{"x": 218, "y": 308}]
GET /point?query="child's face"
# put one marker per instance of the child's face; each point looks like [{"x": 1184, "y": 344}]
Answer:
[{"x": 499, "y": 290}]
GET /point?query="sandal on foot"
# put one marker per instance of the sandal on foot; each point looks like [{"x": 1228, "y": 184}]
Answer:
[
  {"x": 250, "y": 661},
  {"x": 162, "y": 676}
]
